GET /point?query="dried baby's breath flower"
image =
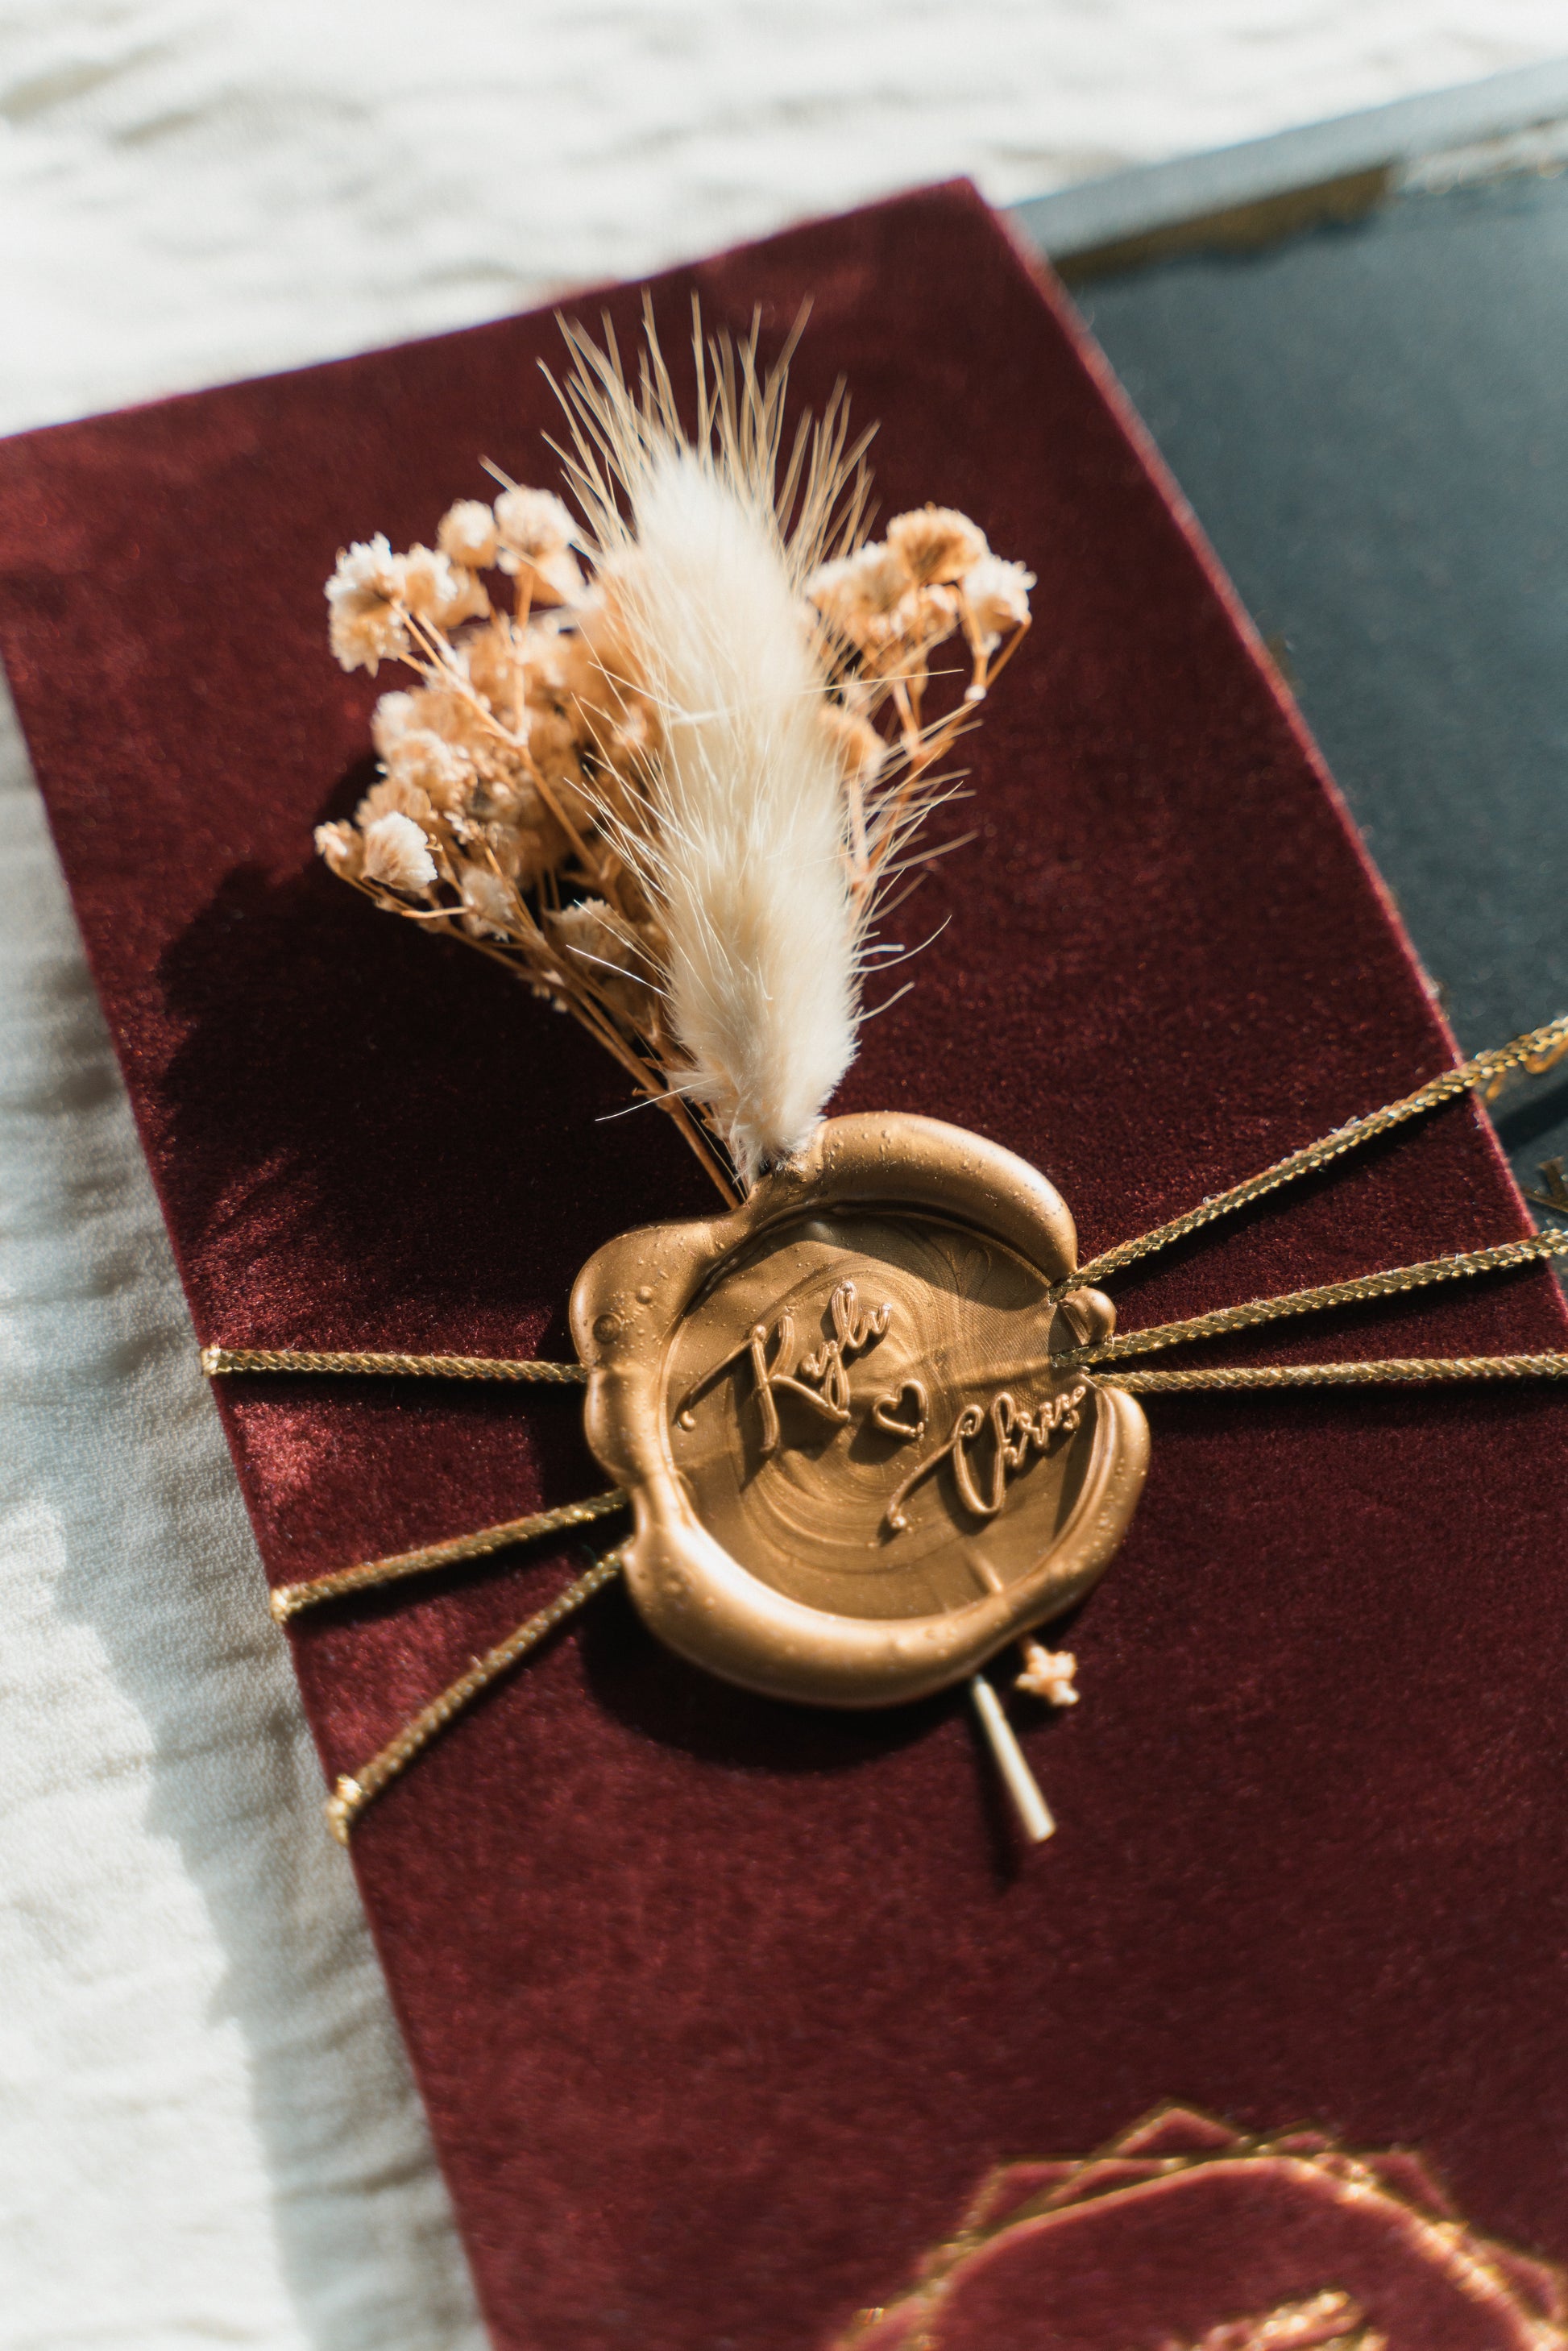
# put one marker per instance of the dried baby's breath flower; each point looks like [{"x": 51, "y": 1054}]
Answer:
[
  {"x": 1048, "y": 1674},
  {"x": 496, "y": 659},
  {"x": 504, "y": 843},
  {"x": 467, "y": 535},
  {"x": 925, "y": 617},
  {"x": 555, "y": 741},
  {"x": 393, "y": 716},
  {"x": 343, "y": 850},
  {"x": 858, "y": 594},
  {"x": 469, "y": 599},
  {"x": 373, "y": 593},
  {"x": 441, "y": 772},
  {"x": 393, "y": 795},
  {"x": 489, "y": 908},
  {"x": 532, "y": 523},
  {"x": 891, "y": 618},
  {"x": 452, "y": 715},
  {"x": 428, "y": 583},
  {"x": 601, "y": 674},
  {"x": 440, "y": 591},
  {"x": 935, "y": 544},
  {"x": 861, "y": 750},
  {"x": 589, "y": 928},
  {"x": 996, "y": 598},
  {"x": 551, "y": 646},
  {"x": 367, "y": 568},
  {"x": 542, "y": 849},
  {"x": 670, "y": 797},
  {"x": 536, "y": 535},
  {"x": 397, "y": 854},
  {"x": 525, "y": 836},
  {"x": 365, "y": 608},
  {"x": 606, "y": 950}
]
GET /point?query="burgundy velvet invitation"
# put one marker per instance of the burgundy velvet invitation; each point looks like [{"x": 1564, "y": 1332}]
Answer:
[{"x": 722, "y": 2008}]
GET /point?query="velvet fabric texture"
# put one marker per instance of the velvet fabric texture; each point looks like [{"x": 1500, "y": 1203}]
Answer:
[{"x": 720, "y": 2006}]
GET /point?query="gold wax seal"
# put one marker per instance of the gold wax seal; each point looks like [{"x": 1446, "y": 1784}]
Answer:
[{"x": 857, "y": 1468}]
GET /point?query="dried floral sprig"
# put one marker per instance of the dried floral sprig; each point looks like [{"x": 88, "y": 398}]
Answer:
[{"x": 673, "y": 789}]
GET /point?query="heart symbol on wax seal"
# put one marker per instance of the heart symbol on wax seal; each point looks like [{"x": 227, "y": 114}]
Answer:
[{"x": 885, "y": 1410}]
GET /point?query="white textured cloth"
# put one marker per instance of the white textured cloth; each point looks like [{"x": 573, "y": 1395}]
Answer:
[
  {"x": 207, "y": 2129},
  {"x": 207, "y": 2132},
  {"x": 194, "y": 190}
]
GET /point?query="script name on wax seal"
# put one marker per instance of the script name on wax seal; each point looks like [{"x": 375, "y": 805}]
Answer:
[{"x": 857, "y": 1468}]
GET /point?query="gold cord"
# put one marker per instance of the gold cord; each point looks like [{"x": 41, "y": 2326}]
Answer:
[
  {"x": 1379, "y": 1371},
  {"x": 218, "y": 1360},
  {"x": 289, "y": 1599},
  {"x": 1539, "y": 1049},
  {"x": 1396, "y": 1279},
  {"x": 1539, "y": 1045},
  {"x": 353, "y": 1792}
]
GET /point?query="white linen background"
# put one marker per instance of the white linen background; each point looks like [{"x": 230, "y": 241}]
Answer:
[{"x": 207, "y": 2132}]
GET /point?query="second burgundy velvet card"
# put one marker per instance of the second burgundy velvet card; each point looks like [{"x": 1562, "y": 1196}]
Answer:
[{"x": 721, "y": 2006}]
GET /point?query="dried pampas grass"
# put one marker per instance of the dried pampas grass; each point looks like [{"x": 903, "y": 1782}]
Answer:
[
  {"x": 739, "y": 837},
  {"x": 672, "y": 796},
  {"x": 744, "y": 862}
]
